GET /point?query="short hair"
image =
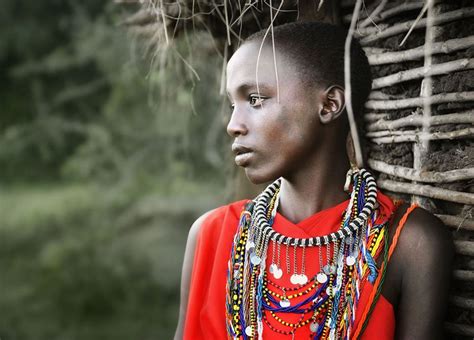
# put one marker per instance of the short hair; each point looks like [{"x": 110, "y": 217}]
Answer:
[{"x": 318, "y": 50}]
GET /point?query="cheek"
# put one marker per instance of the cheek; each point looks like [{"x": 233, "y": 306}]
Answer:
[
  {"x": 297, "y": 128},
  {"x": 272, "y": 127}
]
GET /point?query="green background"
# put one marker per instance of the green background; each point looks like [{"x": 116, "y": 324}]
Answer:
[{"x": 106, "y": 158}]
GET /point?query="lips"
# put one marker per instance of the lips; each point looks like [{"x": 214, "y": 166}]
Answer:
[
  {"x": 242, "y": 154},
  {"x": 239, "y": 149}
]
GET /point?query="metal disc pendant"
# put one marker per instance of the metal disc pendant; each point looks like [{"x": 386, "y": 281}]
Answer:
[
  {"x": 321, "y": 277},
  {"x": 303, "y": 279},
  {"x": 272, "y": 268},
  {"x": 313, "y": 327},
  {"x": 285, "y": 303},
  {"x": 249, "y": 245},
  {"x": 330, "y": 291},
  {"x": 255, "y": 259},
  {"x": 249, "y": 330},
  {"x": 350, "y": 260},
  {"x": 277, "y": 273},
  {"x": 295, "y": 279}
]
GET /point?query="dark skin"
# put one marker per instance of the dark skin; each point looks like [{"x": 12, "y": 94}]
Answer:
[{"x": 296, "y": 131}]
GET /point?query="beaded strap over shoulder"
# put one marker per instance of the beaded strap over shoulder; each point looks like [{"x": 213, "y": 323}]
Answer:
[{"x": 377, "y": 288}]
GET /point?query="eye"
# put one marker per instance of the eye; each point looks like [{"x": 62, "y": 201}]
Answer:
[{"x": 256, "y": 100}]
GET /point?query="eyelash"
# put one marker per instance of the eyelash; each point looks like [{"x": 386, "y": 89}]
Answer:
[
  {"x": 251, "y": 98},
  {"x": 256, "y": 97}
]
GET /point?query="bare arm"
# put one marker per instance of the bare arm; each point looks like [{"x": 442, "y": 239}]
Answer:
[
  {"x": 186, "y": 273},
  {"x": 425, "y": 253}
]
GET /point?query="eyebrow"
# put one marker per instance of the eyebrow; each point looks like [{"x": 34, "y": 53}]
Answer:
[{"x": 246, "y": 86}]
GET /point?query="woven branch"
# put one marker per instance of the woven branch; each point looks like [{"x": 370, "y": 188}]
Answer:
[
  {"x": 409, "y": 136},
  {"x": 375, "y": 34},
  {"x": 427, "y": 191},
  {"x": 461, "y": 301},
  {"x": 463, "y": 275},
  {"x": 373, "y": 117},
  {"x": 464, "y": 247},
  {"x": 419, "y": 72},
  {"x": 413, "y": 102},
  {"x": 429, "y": 23},
  {"x": 421, "y": 134},
  {"x": 405, "y": 7},
  {"x": 404, "y": 26},
  {"x": 460, "y": 329},
  {"x": 374, "y": 50},
  {"x": 379, "y": 95},
  {"x": 466, "y": 117},
  {"x": 373, "y": 14},
  {"x": 456, "y": 222},
  {"x": 422, "y": 176},
  {"x": 416, "y": 53}
]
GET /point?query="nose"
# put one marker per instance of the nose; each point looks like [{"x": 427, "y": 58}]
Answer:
[{"x": 236, "y": 125}]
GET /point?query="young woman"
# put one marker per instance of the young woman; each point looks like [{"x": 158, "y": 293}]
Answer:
[{"x": 307, "y": 258}]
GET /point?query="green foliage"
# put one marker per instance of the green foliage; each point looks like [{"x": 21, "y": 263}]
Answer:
[
  {"x": 97, "y": 109},
  {"x": 74, "y": 274},
  {"x": 105, "y": 162}
]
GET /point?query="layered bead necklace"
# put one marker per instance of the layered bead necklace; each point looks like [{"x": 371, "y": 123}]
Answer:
[{"x": 327, "y": 302}]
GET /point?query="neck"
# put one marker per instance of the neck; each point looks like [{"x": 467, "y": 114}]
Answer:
[{"x": 316, "y": 187}]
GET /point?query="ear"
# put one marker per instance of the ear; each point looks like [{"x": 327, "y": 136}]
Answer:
[{"x": 333, "y": 104}]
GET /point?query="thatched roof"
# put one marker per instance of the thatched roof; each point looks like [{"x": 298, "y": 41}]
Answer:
[{"x": 227, "y": 21}]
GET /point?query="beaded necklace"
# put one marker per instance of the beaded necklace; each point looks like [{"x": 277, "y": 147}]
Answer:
[{"x": 326, "y": 303}]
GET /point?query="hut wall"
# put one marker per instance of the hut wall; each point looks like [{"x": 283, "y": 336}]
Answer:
[{"x": 427, "y": 160}]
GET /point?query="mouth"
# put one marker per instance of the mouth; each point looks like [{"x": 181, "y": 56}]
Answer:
[{"x": 242, "y": 154}]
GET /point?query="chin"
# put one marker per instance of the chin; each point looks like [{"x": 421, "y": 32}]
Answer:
[{"x": 259, "y": 176}]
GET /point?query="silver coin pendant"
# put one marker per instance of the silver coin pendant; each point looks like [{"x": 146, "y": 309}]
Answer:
[
  {"x": 313, "y": 327},
  {"x": 350, "y": 260},
  {"x": 285, "y": 303},
  {"x": 321, "y": 277},
  {"x": 277, "y": 273},
  {"x": 255, "y": 259},
  {"x": 295, "y": 279}
]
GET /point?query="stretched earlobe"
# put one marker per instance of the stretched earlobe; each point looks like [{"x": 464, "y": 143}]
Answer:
[{"x": 333, "y": 104}]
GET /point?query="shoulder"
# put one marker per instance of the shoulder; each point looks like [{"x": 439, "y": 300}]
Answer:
[
  {"x": 422, "y": 262},
  {"x": 423, "y": 233},
  {"x": 425, "y": 246},
  {"x": 213, "y": 219},
  {"x": 207, "y": 223}
]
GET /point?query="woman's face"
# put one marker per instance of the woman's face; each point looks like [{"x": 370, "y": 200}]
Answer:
[{"x": 275, "y": 126}]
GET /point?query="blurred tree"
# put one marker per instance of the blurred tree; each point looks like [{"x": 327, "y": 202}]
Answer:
[
  {"x": 76, "y": 102},
  {"x": 103, "y": 154},
  {"x": 46, "y": 79}
]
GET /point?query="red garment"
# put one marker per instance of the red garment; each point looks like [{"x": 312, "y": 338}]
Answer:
[{"x": 205, "y": 317}]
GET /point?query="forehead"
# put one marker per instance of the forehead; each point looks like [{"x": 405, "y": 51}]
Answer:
[{"x": 251, "y": 62}]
